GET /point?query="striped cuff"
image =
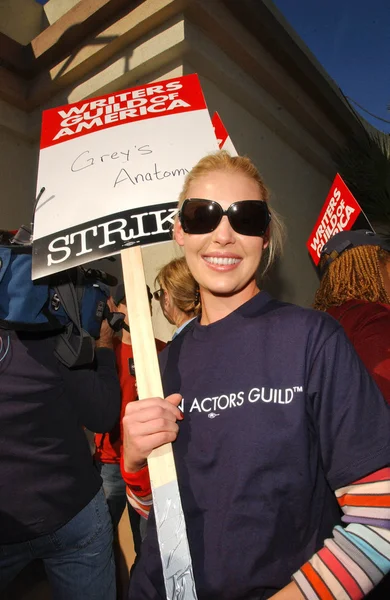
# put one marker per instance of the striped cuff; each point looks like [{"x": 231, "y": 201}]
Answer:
[
  {"x": 348, "y": 567},
  {"x": 141, "y": 505}
]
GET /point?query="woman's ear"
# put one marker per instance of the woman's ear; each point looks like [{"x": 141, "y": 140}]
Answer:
[
  {"x": 166, "y": 300},
  {"x": 178, "y": 233},
  {"x": 266, "y": 239}
]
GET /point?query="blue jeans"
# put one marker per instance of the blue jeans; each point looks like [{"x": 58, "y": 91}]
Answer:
[
  {"x": 115, "y": 490},
  {"x": 78, "y": 557}
]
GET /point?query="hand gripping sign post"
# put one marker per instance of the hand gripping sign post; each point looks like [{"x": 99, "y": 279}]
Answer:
[
  {"x": 110, "y": 172},
  {"x": 340, "y": 212}
]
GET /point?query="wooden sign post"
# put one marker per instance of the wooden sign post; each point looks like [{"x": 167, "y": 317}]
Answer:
[
  {"x": 170, "y": 521},
  {"x": 112, "y": 169}
]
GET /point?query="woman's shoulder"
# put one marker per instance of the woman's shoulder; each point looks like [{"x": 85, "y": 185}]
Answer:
[
  {"x": 301, "y": 316},
  {"x": 289, "y": 327}
]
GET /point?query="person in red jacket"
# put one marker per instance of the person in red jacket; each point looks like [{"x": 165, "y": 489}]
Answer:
[
  {"x": 355, "y": 290},
  {"x": 108, "y": 446}
]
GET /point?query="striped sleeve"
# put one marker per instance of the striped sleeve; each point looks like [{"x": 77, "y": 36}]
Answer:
[
  {"x": 138, "y": 489},
  {"x": 355, "y": 560},
  {"x": 141, "y": 505}
]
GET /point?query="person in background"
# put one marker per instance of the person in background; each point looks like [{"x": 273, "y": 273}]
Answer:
[
  {"x": 52, "y": 506},
  {"x": 281, "y": 425},
  {"x": 178, "y": 294},
  {"x": 108, "y": 446},
  {"x": 355, "y": 290}
]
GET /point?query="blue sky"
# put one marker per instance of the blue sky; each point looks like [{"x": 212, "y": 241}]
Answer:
[{"x": 351, "y": 39}]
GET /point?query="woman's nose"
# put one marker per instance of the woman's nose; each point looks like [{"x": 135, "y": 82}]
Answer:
[{"x": 224, "y": 233}]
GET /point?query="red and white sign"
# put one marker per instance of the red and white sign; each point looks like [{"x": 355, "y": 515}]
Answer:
[
  {"x": 221, "y": 133},
  {"x": 339, "y": 213},
  {"x": 112, "y": 169}
]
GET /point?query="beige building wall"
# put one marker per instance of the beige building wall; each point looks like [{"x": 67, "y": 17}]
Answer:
[
  {"x": 17, "y": 179},
  {"x": 55, "y": 9},
  {"x": 21, "y": 19}
]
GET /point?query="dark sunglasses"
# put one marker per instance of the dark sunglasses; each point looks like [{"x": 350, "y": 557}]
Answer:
[{"x": 247, "y": 217}]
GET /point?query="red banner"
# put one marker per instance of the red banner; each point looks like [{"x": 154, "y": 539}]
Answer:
[
  {"x": 220, "y": 130},
  {"x": 339, "y": 213},
  {"x": 156, "y": 99}
]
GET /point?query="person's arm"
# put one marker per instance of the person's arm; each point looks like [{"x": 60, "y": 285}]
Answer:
[
  {"x": 352, "y": 423},
  {"x": 357, "y": 557},
  {"x": 138, "y": 489},
  {"x": 94, "y": 389},
  {"x": 147, "y": 424}
]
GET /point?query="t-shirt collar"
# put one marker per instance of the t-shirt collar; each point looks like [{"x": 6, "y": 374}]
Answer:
[{"x": 252, "y": 307}]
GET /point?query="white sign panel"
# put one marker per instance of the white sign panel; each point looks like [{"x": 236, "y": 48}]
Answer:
[{"x": 112, "y": 168}]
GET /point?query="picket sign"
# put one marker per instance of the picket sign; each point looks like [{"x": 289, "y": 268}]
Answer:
[
  {"x": 221, "y": 133},
  {"x": 340, "y": 212},
  {"x": 111, "y": 170}
]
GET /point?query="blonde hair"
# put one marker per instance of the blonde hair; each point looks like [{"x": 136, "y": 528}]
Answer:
[
  {"x": 176, "y": 278},
  {"x": 222, "y": 161},
  {"x": 355, "y": 275}
]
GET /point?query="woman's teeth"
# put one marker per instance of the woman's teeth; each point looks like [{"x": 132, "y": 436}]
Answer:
[{"x": 221, "y": 261}]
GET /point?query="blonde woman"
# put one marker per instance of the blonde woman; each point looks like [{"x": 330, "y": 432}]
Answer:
[{"x": 281, "y": 424}]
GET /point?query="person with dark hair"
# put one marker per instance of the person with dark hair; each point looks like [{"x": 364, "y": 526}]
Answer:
[
  {"x": 108, "y": 446},
  {"x": 280, "y": 428},
  {"x": 52, "y": 505},
  {"x": 355, "y": 290},
  {"x": 178, "y": 294}
]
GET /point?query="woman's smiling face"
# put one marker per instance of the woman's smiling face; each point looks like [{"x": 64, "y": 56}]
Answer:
[{"x": 223, "y": 262}]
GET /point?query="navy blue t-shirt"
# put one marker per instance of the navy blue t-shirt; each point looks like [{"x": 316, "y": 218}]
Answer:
[{"x": 278, "y": 413}]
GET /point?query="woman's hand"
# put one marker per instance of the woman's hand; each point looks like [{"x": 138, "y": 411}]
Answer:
[{"x": 149, "y": 424}]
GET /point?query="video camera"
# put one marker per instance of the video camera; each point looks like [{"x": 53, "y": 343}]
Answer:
[{"x": 72, "y": 303}]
